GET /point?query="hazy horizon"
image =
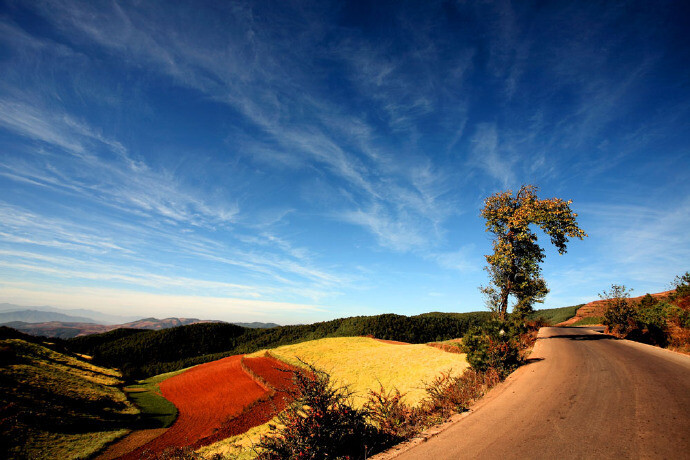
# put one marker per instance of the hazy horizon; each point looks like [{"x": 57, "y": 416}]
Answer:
[{"x": 293, "y": 162}]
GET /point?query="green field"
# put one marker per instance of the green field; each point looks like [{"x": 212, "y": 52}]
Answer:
[
  {"x": 156, "y": 411},
  {"x": 555, "y": 315},
  {"x": 589, "y": 320}
]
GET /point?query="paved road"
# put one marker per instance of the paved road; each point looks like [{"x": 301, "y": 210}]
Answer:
[{"x": 585, "y": 396}]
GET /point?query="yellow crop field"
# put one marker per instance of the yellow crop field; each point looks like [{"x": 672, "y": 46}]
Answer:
[
  {"x": 362, "y": 362},
  {"x": 359, "y": 362}
]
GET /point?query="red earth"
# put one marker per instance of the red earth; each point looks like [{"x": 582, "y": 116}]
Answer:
[
  {"x": 598, "y": 308},
  {"x": 220, "y": 399},
  {"x": 274, "y": 374}
]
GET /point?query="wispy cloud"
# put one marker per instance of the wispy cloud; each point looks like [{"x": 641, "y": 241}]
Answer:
[
  {"x": 644, "y": 243},
  {"x": 487, "y": 154},
  {"x": 258, "y": 76},
  {"x": 462, "y": 260},
  {"x": 284, "y": 269},
  {"x": 246, "y": 145},
  {"x": 78, "y": 269},
  {"x": 123, "y": 182}
]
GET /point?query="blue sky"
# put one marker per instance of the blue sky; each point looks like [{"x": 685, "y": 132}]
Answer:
[{"x": 302, "y": 161}]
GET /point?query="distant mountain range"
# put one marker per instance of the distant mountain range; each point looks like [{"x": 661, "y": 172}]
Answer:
[
  {"x": 55, "y": 322},
  {"x": 75, "y": 315},
  {"x": 37, "y": 316}
]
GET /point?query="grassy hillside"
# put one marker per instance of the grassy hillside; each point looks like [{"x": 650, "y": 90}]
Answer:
[
  {"x": 156, "y": 411},
  {"x": 361, "y": 363},
  {"x": 55, "y": 405},
  {"x": 141, "y": 354},
  {"x": 555, "y": 315}
]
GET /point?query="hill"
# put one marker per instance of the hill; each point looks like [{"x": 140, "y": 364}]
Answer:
[
  {"x": 145, "y": 353},
  {"x": 37, "y": 316},
  {"x": 91, "y": 315},
  {"x": 165, "y": 323},
  {"x": 593, "y": 312},
  {"x": 57, "y": 329},
  {"x": 555, "y": 316},
  {"x": 54, "y": 405},
  {"x": 257, "y": 325},
  {"x": 68, "y": 330}
]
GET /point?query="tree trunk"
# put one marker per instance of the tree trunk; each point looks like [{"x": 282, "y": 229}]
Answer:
[{"x": 503, "y": 307}]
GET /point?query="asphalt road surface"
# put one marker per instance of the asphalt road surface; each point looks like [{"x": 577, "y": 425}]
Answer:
[{"x": 585, "y": 395}]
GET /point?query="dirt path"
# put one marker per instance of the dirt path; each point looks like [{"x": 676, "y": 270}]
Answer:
[{"x": 586, "y": 395}]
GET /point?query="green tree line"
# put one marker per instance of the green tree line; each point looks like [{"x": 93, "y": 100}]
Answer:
[{"x": 142, "y": 353}]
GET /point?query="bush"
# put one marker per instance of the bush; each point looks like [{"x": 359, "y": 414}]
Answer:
[
  {"x": 495, "y": 345},
  {"x": 620, "y": 315},
  {"x": 645, "y": 322},
  {"x": 321, "y": 423},
  {"x": 387, "y": 411},
  {"x": 447, "y": 394}
]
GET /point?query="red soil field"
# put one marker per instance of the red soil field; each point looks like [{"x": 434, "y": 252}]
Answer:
[
  {"x": 220, "y": 399},
  {"x": 278, "y": 377}
]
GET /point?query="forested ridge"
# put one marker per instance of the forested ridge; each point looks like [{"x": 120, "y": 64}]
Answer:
[{"x": 142, "y": 353}]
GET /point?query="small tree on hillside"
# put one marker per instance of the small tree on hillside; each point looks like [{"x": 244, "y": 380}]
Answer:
[
  {"x": 514, "y": 265},
  {"x": 620, "y": 315}
]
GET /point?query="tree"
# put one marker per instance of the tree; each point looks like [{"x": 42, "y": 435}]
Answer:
[
  {"x": 620, "y": 315},
  {"x": 514, "y": 265}
]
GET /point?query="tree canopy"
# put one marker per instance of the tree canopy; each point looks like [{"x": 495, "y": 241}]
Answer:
[{"x": 513, "y": 267}]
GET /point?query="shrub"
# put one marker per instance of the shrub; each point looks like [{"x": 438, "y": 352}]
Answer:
[
  {"x": 651, "y": 321},
  {"x": 495, "y": 345},
  {"x": 447, "y": 394},
  {"x": 645, "y": 322},
  {"x": 321, "y": 423},
  {"x": 620, "y": 315},
  {"x": 678, "y": 315},
  {"x": 387, "y": 411}
]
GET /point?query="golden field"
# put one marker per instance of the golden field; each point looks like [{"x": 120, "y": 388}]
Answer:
[
  {"x": 359, "y": 362},
  {"x": 362, "y": 363}
]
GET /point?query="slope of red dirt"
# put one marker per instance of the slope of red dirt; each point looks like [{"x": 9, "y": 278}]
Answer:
[
  {"x": 275, "y": 375},
  {"x": 205, "y": 396},
  {"x": 598, "y": 308}
]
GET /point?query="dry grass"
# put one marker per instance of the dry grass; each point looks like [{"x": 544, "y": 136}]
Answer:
[
  {"x": 238, "y": 447},
  {"x": 50, "y": 446},
  {"x": 362, "y": 363}
]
